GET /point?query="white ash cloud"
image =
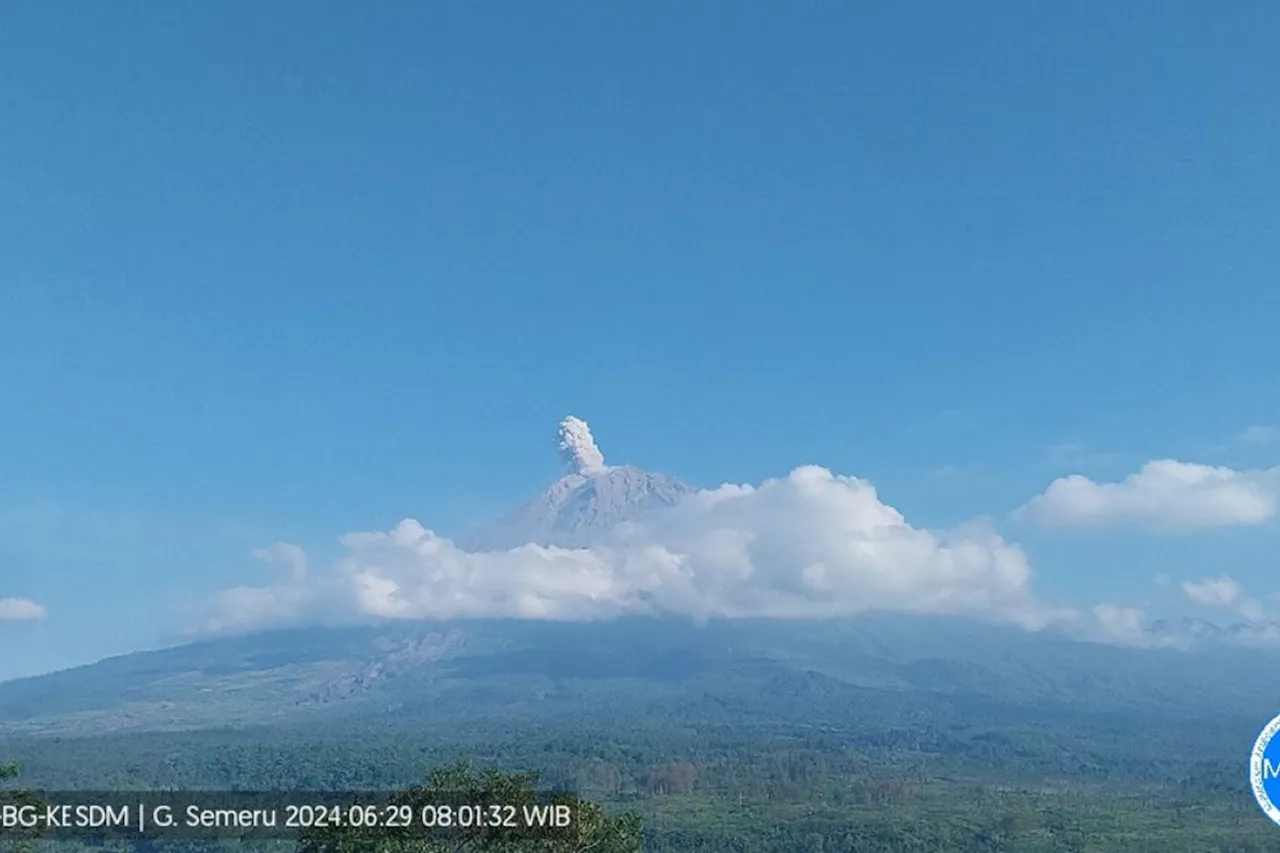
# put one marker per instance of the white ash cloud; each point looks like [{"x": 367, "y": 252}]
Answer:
[{"x": 578, "y": 448}]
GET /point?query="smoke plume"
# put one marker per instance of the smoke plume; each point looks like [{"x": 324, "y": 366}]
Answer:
[{"x": 577, "y": 447}]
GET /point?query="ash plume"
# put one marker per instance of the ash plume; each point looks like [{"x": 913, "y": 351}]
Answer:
[{"x": 578, "y": 449}]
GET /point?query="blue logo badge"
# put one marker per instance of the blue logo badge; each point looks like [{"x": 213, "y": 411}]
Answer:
[{"x": 1264, "y": 770}]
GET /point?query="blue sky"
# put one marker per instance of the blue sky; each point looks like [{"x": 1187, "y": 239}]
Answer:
[{"x": 281, "y": 272}]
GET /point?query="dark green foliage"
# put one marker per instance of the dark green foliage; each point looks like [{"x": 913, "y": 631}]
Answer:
[
  {"x": 18, "y": 841},
  {"x": 868, "y": 737},
  {"x": 769, "y": 788},
  {"x": 593, "y": 829}
]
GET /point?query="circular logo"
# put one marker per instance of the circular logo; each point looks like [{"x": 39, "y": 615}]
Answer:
[{"x": 1264, "y": 770}]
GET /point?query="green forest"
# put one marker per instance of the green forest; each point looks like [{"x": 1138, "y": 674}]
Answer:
[{"x": 671, "y": 789}]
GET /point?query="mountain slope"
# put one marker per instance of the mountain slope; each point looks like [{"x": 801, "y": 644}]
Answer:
[{"x": 850, "y": 669}]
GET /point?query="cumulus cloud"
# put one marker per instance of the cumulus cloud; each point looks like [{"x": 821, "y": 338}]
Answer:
[
  {"x": 1226, "y": 593},
  {"x": 811, "y": 544},
  {"x": 21, "y": 610},
  {"x": 1251, "y": 609},
  {"x": 1118, "y": 625},
  {"x": 578, "y": 448},
  {"x": 248, "y": 608},
  {"x": 287, "y": 556},
  {"x": 1212, "y": 592},
  {"x": 1164, "y": 495},
  {"x": 1122, "y": 625}
]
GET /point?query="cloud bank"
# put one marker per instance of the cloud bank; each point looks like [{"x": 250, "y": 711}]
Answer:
[
  {"x": 1165, "y": 495},
  {"x": 1212, "y": 592},
  {"x": 811, "y": 544},
  {"x": 21, "y": 610}
]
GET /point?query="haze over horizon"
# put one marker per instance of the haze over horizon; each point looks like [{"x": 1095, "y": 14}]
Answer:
[{"x": 293, "y": 305}]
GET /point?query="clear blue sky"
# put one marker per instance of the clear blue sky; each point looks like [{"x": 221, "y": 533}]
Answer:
[{"x": 282, "y": 271}]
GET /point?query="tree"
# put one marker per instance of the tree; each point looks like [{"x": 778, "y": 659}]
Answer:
[
  {"x": 672, "y": 778},
  {"x": 16, "y": 797},
  {"x": 593, "y": 829}
]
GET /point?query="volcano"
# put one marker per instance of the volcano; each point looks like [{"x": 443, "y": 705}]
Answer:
[{"x": 590, "y": 499}]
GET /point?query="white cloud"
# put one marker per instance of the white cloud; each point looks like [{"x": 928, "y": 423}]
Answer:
[
  {"x": 288, "y": 556},
  {"x": 1164, "y": 495},
  {"x": 1115, "y": 624},
  {"x": 1122, "y": 625},
  {"x": 1260, "y": 434},
  {"x": 1251, "y": 609},
  {"x": 811, "y": 544},
  {"x": 248, "y": 608},
  {"x": 1118, "y": 625},
  {"x": 1267, "y": 635},
  {"x": 21, "y": 610},
  {"x": 1212, "y": 592}
]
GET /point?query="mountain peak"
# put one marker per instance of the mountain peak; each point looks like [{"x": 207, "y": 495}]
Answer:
[{"x": 589, "y": 500}]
